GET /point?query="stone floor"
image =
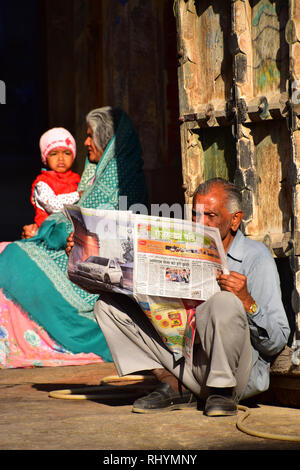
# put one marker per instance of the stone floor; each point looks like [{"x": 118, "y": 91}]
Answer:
[{"x": 30, "y": 419}]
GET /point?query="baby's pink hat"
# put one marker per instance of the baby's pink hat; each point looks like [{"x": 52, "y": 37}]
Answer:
[{"x": 56, "y": 137}]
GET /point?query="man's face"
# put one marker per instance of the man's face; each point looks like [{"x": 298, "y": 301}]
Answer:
[{"x": 210, "y": 209}]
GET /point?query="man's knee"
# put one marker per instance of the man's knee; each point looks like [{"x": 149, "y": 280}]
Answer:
[
  {"x": 104, "y": 308},
  {"x": 222, "y": 306},
  {"x": 100, "y": 310},
  {"x": 111, "y": 308}
]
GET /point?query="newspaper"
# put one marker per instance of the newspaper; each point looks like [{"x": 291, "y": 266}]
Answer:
[
  {"x": 176, "y": 258},
  {"x": 168, "y": 266}
]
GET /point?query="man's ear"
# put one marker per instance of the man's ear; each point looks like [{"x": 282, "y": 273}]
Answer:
[{"x": 237, "y": 218}]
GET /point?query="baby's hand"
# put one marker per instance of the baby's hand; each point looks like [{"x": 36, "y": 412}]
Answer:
[
  {"x": 29, "y": 231},
  {"x": 70, "y": 243}
]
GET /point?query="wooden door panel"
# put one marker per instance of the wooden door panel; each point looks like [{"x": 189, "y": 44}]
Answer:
[
  {"x": 239, "y": 102},
  {"x": 233, "y": 88},
  {"x": 217, "y": 147},
  {"x": 272, "y": 190},
  {"x": 270, "y": 49},
  {"x": 205, "y": 74}
]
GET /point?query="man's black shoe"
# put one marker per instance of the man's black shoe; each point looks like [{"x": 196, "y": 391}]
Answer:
[
  {"x": 220, "y": 405},
  {"x": 164, "y": 398}
]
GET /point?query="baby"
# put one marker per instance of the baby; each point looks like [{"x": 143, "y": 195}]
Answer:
[{"x": 57, "y": 184}]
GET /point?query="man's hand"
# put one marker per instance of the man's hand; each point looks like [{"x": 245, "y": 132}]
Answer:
[
  {"x": 237, "y": 284},
  {"x": 70, "y": 243},
  {"x": 29, "y": 231}
]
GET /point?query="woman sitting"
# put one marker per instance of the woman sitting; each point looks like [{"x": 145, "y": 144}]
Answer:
[{"x": 54, "y": 317}]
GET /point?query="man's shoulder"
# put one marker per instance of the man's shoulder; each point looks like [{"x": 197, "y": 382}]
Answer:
[{"x": 255, "y": 248}]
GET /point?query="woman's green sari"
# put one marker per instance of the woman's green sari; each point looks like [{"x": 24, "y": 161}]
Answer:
[{"x": 33, "y": 271}]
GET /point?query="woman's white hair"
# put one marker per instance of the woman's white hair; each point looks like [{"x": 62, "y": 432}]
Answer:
[{"x": 103, "y": 122}]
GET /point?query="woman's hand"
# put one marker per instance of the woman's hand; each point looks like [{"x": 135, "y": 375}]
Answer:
[
  {"x": 70, "y": 243},
  {"x": 29, "y": 231}
]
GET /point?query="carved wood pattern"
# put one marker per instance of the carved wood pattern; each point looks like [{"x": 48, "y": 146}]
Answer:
[{"x": 253, "y": 98}]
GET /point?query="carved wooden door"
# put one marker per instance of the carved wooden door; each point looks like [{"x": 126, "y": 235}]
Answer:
[{"x": 238, "y": 73}]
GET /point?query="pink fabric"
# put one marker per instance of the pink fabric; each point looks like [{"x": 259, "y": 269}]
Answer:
[
  {"x": 23, "y": 343},
  {"x": 57, "y": 137}
]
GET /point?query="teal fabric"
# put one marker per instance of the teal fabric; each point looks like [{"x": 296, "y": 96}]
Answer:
[{"x": 33, "y": 271}]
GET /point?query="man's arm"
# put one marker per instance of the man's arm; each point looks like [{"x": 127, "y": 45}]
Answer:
[
  {"x": 237, "y": 284},
  {"x": 268, "y": 325}
]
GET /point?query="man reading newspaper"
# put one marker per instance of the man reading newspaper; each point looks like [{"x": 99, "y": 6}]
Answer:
[{"x": 238, "y": 329}]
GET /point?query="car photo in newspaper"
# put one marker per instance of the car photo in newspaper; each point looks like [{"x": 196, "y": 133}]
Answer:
[{"x": 102, "y": 256}]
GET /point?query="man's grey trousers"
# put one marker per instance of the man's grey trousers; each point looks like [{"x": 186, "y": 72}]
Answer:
[{"x": 222, "y": 355}]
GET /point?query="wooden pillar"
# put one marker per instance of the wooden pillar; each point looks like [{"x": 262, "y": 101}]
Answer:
[{"x": 292, "y": 33}]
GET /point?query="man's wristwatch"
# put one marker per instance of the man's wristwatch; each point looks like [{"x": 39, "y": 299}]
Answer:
[{"x": 253, "y": 308}]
